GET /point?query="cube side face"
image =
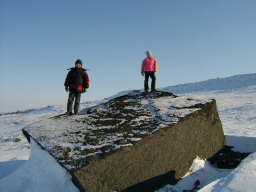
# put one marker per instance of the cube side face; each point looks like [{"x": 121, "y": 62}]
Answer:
[{"x": 159, "y": 159}]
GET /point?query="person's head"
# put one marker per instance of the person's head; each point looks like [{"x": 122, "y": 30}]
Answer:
[
  {"x": 148, "y": 53},
  {"x": 78, "y": 63}
]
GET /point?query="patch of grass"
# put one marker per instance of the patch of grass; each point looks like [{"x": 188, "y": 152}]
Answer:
[{"x": 19, "y": 112}]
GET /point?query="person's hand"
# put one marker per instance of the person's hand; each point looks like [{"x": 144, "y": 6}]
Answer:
[
  {"x": 142, "y": 73},
  {"x": 66, "y": 88}
]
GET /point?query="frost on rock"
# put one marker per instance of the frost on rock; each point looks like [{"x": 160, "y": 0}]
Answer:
[{"x": 102, "y": 130}]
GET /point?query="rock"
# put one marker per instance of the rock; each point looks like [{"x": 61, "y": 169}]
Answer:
[
  {"x": 135, "y": 142},
  {"x": 226, "y": 158},
  {"x": 16, "y": 140}
]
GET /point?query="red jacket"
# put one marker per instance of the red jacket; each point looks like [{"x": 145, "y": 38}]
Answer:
[{"x": 149, "y": 64}]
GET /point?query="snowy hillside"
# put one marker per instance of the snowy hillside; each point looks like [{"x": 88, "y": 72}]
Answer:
[{"x": 236, "y": 101}]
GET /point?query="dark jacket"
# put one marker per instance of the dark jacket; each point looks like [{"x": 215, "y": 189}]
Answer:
[{"x": 77, "y": 79}]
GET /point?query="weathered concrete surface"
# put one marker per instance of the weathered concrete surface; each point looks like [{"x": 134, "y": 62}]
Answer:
[
  {"x": 154, "y": 148},
  {"x": 169, "y": 151}
]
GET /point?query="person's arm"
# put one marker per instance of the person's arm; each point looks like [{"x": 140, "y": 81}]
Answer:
[
  {"x": 156, "y": 66},
  {"x": 67, "y": 80},
  {"x": 143, "y": 68},
  {"x": 86, "y": 80}
]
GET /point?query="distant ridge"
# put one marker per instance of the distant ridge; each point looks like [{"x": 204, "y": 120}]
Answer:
[
  {"x": 218, "y": 84},
  {"x": 221, "y": 84}
]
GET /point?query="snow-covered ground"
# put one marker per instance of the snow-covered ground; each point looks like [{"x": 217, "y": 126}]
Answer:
[{"x": 236, "y": 101}]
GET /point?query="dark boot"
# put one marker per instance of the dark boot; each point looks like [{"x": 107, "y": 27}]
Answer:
[{"x": 69, "y": 113}]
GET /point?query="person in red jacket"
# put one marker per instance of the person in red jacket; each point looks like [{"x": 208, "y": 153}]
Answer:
[
  {"x": 148, "y": 68},
  {"x": 76, "y": 82}
]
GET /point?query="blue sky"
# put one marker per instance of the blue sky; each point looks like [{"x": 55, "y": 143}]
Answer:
[{"x": 192, "y": 41}]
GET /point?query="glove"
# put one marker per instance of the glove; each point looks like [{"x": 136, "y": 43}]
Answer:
[
  {"x": 142, "y": 73},
  {"x": 86, "y": 89},
  {"x": 66, "y": 89}
]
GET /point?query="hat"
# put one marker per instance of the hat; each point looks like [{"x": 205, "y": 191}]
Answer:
[
  {"x": 78, "y": 61},
  {"x": 148, "y": 52}
]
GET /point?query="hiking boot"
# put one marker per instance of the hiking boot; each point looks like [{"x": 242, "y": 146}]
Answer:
[
  {"x": 153, "y": 90},
  {"x": 69, "y": 113},
  {"x": 147, "y": 91}
]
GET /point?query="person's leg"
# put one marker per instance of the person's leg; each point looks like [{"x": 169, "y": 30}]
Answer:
[
  {"x": 153, "y": 83},
  {"x": 146, "y": 81},
  {"x": 70, "y": 102},
  {"x": 77, "y": 103}
]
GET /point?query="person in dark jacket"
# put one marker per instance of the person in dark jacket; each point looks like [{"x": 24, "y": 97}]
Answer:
[{"x": 76, "y": 82}]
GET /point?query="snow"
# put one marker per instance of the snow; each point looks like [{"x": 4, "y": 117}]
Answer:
[
  {"x": 200, "y": 170},
  {"x": 33, "y": 169},
  {"x": 241, "y": 179},
  {"x": 40, "y": 173}
]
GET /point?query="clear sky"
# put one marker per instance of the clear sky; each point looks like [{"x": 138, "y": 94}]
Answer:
[{"x": 191, "y": 40}]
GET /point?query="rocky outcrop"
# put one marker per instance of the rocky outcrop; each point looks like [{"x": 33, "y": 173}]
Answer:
[{"x": 135, "y": 142}]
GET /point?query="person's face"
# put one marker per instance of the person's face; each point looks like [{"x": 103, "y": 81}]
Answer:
[
  {"x": 78, "y": 65},
  {"x": 149, "y": 54}
]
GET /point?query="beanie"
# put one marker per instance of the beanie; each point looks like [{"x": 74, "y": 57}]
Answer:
[
  {"x": 148, "y": 52},
  {"x": 78, "y": 61}
]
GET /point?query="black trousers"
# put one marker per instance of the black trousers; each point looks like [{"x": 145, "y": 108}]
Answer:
[
  {"x": 150, "y": 74},
  {"x": 73, "y": 95}
]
